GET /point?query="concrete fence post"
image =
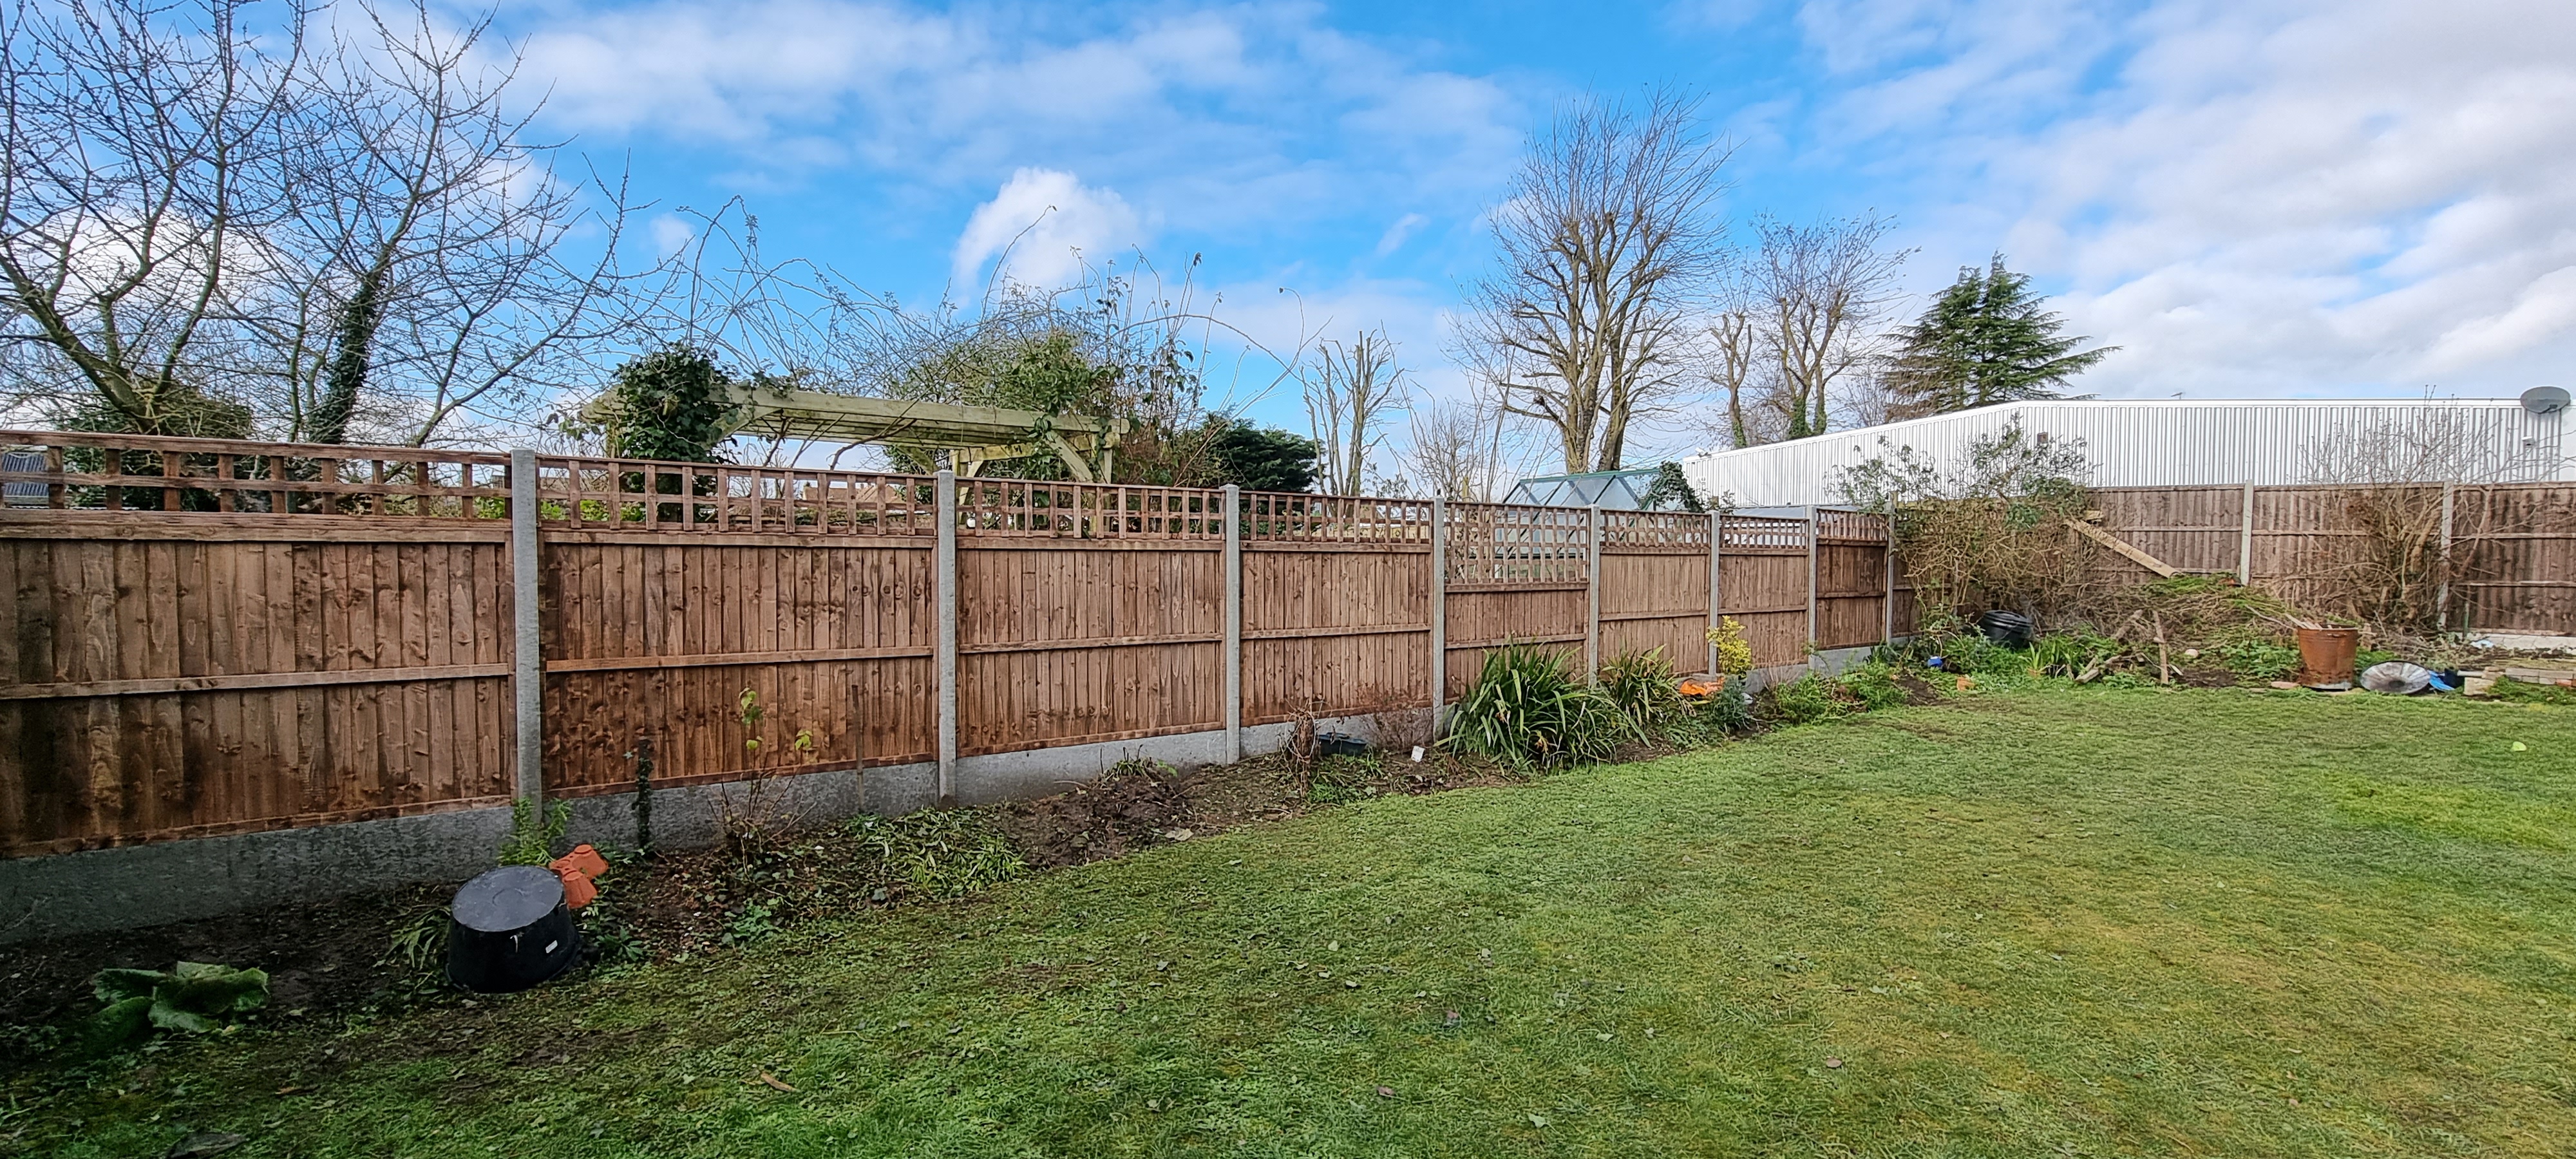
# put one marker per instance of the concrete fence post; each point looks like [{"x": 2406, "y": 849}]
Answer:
[
  {"x": 1439, "y": 609},
  {"x": 1592, "y": 595},
  {"x": 944, "y": 577},
  {"x": 2245, "y": 539},
  {"x": 527, "y": 651},
  {"x": 1716, "y": 591},
  {"x": 1233, "y": 623},
  {"x": 1887, "y": 584},
  {"x": 1812, "y": 553}
]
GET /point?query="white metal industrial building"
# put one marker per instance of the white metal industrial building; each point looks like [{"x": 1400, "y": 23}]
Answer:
[{"x": 2175, "y": 442}]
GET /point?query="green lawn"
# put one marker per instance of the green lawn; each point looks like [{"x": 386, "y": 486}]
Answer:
[{"x": 2084, "y": 922}]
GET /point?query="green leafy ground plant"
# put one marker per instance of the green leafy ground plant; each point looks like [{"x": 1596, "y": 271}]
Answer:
[{"x": 193, "y": 997}]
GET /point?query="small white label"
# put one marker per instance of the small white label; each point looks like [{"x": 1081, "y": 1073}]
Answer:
[
  {"x": 550, "y": 946},
  {"x": 1417, "y": 754}
]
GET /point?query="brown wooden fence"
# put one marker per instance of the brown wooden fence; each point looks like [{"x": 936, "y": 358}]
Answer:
[
  {"x": 212, "y": 637},
  {"x": 2512, "y": 545}
]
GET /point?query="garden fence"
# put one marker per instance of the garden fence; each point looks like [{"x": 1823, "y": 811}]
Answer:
[
  {"x": 215, "y": 637},
  {"x": 218, "y": 637}
]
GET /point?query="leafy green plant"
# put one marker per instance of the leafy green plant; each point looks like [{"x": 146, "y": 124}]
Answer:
[
  {"x": 1809, "y": 699},
  {"x": 419, "y": 942},
  {"x": 755, "y": 921},
  {"x": 1874, "y": 685},
  {"x": 673, "y": 403},
  {"x": 195, "y": 998},
  {"x": 2078, "y": 655},
  {"x": 945, "y": 853},
  {"x": 1525, "y": 709},
  {"x": 2258, "y": 657},
  {"x": 1734, "y": 653},
  {"x": 1646, "y": 689},
  {"x": 532, "y": 842}
]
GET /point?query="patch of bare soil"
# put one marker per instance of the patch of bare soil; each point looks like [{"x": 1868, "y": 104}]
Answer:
[
  {"x": 320, "y": 957},
  {"x": 1917, "y": 690}
]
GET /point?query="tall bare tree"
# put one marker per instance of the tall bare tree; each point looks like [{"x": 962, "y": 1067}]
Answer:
[
  {"x": 1736, "y": 366},
  {"x": 147, "y": 151},
  {"x": 216, "y": 204},
  {"x": 1355, "y": 386},
  {"x": 1606, "y": 240},
  {"x": 431, "y": 273},
  {"x": 1451, "y": 453},
  {"x": 1819, "y": 292}
]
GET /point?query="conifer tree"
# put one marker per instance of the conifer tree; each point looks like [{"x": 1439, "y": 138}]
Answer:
[{"x": 1986, "y": 340}]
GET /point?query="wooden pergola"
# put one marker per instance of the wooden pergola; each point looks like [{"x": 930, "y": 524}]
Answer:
[{"x": 971, "y": 435}]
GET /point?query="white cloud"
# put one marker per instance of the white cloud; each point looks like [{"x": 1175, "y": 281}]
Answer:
[
  {"x": 1228, "y": 117},
  {"x": 2252, "y": 198},
  {"x": 1041, "y": 230}
]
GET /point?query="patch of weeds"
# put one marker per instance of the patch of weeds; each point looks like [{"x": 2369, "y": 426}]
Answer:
[
  {"x": 1874, "y": 684},
  {"x": 755, "y": 922},
  {"x": 2079, "y": 655},
  {"x": 1809, "y": 699},
  {"x": 608, "y": 939},
  {"x": 942, "y": 853},
  {"x": 2256, "y": 657},
  {"x": 1335, "y": 780},
  {"x": 531, "y": 841},
  {"x": 418, "y": 943},
  {"x": 2525, "y": 692}
]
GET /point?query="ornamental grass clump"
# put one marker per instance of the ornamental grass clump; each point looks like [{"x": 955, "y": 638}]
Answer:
[{"x": 1526, "y": 710}]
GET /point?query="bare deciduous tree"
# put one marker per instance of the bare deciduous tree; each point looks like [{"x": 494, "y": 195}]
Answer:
[
  {"x": 1606, "y": 242},
  {"x": 210, "y": 204},
  {"x": 144, "y": 158},
  {"x": 1735, "y": 365},
  {"x": 1819, "y": 291},
  {"x": 431, "y": 275},
  {"x": 1352, "y": 388},
  {"x": 1451, "y": 455}
]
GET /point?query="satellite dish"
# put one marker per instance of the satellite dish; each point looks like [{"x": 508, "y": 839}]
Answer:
[{"x": 2545, "y": 400}]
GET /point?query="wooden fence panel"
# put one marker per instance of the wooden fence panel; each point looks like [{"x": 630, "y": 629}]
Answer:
[
  {"x": 1482, "y": 620},
  {"x": 242, "y": 678},
  {"x": 1334, "y": 632},
  {"x": 1762, "y": 585},
  {"x": 1087, "y": 640},
  {"x": 661, "y": 634},
  {"x": 1656, "y": 601}
]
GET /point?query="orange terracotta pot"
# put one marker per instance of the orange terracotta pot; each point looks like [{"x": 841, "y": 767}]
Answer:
[
  {"x": 585, "y": 859},
  {"x": 578, "y": 890}
]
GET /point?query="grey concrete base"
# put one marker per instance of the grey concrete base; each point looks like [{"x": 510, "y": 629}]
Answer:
[
  {"x": 170, "y": 881},
  {"x": 984, "y": 780},
  {"x": 1830, "y": 661}
]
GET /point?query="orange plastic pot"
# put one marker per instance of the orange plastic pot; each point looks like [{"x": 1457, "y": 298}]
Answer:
[
  {"x": 2326, "y": 656},
  {"x": 578, "y": 890},
  {"x": 585, "y": 859}
]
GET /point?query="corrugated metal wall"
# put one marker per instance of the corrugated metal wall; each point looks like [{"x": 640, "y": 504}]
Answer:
[{"x": 2157, "y": 444}]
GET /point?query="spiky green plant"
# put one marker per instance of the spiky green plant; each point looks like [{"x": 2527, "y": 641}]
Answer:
[
  {"x": 1525, "y": 709},
  {"x": 1646, "y": 689}
]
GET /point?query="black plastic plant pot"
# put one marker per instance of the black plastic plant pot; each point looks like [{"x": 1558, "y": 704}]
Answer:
[
  {"x": 2010, "y": 629},
  {"x": 1335, "y": 744},
  {"x": 509, "y": 929}
]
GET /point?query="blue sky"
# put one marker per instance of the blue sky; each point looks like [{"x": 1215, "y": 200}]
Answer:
[{"x": 2251, "y": 197}]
